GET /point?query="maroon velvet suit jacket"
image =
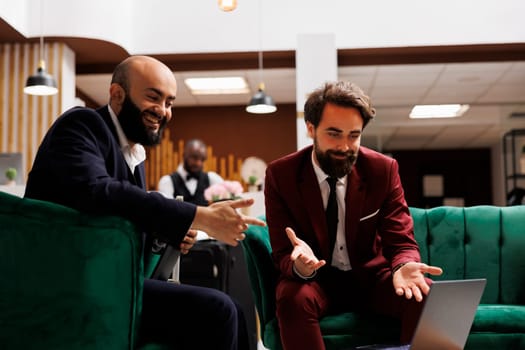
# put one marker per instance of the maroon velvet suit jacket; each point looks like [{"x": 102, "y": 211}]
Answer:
[{"x": 379, "y": 228}]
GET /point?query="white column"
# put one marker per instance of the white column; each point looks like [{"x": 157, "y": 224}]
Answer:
[
  {"x": 67, "y": 79},
  {"x": 315, "y": 64}
]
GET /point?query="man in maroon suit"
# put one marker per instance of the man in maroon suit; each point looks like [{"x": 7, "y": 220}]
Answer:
[{"x": 372, "y": 259}]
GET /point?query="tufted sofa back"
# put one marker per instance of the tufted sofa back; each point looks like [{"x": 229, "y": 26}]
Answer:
[{"x": 474, "y": 242}]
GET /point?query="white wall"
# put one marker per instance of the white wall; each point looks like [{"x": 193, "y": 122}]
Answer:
[{"x": 68, "y": 93}]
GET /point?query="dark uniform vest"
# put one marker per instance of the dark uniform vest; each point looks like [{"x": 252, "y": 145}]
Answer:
[{"x": 180, "y": 189}]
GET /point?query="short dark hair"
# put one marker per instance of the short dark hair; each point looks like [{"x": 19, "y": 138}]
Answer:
[
  {"x": 121, "y": 75},
  {"x": 340, "y": 93},
  {"x": 194, "y": 143}
]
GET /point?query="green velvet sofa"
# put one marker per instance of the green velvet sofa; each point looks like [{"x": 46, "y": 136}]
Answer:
[
  {"x": 69, "y": 280},
  {"x": 474, "y": 242}
]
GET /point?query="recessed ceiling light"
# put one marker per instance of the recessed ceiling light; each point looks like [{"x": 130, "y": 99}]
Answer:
[
  {"x": 438, "y": 111},
  {"x": 217, "y": 86}
]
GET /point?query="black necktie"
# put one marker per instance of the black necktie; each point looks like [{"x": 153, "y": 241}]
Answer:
[{"x": 332, "y": 212}]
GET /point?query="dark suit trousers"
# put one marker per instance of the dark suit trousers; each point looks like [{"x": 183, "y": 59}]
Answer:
[
  {"x": 187, "y": 317},
  {"x": 300, "y": 304}
]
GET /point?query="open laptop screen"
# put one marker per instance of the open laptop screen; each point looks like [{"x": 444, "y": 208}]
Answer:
[{"x": 446, "y": 318}]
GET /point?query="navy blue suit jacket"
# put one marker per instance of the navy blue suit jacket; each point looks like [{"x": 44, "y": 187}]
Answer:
[{"x": 80, "y": 164}]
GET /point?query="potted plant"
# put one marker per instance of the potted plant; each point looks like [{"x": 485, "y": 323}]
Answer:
[
  {"x": 10, "y": 174},
  {"x": 252, "y": 183}
]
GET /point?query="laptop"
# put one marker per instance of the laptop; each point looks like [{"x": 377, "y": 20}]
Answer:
[
  {"x": 446, "y": 318},
  {"x": 169, "y": 262},
  {"x": 168, "y": 265}
]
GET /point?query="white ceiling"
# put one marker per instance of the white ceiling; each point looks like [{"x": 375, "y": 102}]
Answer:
[{"x": 494, "y": 91}]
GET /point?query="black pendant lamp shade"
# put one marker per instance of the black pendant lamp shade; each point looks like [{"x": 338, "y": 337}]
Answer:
[
  {"x": 42, "y": 83},
  {"x": 261, "y": 103}
]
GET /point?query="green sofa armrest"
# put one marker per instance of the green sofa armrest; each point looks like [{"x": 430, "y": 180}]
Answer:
[
  {"x": 263, "y": 275},
  {"x": 69, "y": 280}
]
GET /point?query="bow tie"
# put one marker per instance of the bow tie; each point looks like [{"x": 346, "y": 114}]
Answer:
[{"x": 192, "y": 176}]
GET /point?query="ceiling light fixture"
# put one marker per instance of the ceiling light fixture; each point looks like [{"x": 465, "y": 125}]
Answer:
[
  {"x": 438, "y": 111},
  {"x": 260, "y": 102},
  {"x": 217, "y": 85},
  {"x": 227, "y": 5},
  {"x": 41, "y": 84}
]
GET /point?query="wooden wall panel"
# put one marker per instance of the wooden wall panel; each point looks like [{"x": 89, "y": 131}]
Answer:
[
  {"x": 24, "y": 119},
  {"x": 231, "y": 135},
  {"x": 11, "y": 101},
  {"x": 3, "y": 95}
]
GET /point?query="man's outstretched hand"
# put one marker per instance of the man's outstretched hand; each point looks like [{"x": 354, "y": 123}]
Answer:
[
  {"x": 305, "y": 261},
  {"x": 223, "y": 221},
  {"x": 409, "y": 280}
]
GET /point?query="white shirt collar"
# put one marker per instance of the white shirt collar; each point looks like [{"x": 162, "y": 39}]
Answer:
[
  {"x": 183, "y": 173},
  {"x": 134, "y": 155}
]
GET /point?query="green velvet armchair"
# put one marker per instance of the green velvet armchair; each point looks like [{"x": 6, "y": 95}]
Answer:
[
  {"x": 69, "y": 280},
  {"x": 474, "y": 242}
]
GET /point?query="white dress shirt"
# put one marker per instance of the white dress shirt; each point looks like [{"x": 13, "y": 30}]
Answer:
[
  {"x": 135, "y": 154},
  {"x": 340, "y": 257}
]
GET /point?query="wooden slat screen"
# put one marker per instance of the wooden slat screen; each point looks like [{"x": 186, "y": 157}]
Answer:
[
  {"x": 164, "y": 159},
  {"x": 24, "y": 119}
]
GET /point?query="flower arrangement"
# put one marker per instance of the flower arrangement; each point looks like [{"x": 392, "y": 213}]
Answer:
[{"x": 223, "y": 191}]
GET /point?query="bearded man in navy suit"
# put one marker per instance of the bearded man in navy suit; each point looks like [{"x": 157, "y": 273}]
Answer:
[
  {"x": 93, "y": 161},
  {"x": 370, "y": 261}
]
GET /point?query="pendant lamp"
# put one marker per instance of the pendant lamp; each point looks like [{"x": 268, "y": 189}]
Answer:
[
  {"x": 227, "y": 5},
  {"x": 260, "y": 102},
  {"x": 42, "y": 83}
]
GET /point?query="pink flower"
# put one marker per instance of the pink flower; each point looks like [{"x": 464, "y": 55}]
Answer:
[
  {"x": 222, "y": 191},
  {"x": 234, "y": 187}
]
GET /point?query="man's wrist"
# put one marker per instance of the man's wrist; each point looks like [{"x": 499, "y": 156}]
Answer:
[
  {"x": 301, "y": 276},
  {"x": 397, "y": 267}
]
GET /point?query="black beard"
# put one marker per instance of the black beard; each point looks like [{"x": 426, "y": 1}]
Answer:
[
  {"x": 335, "y": 167},
  {"x": 130, "y": 119},
  {"x": 195, "y": 174}
]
